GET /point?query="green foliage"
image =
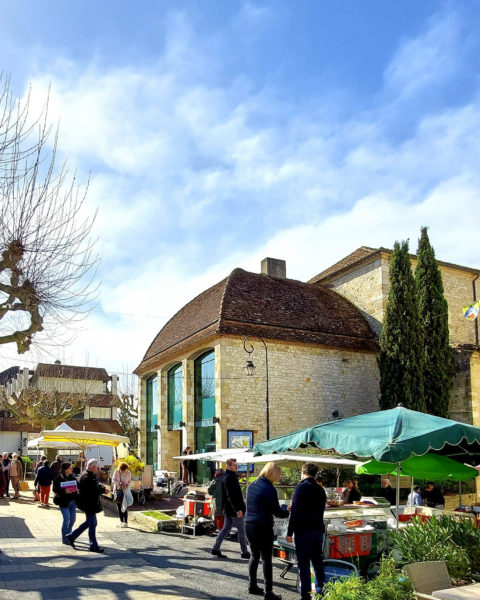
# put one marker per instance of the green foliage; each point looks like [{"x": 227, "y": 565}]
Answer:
[
  {"x": 389, "y": 585},
  {"x": 157, "y": 514},
  {"x": 432, "y": 540},
  {"x": 438, "y": 367},
  {"x": 400, "y": 358},
  {"x": 463, "y": 533}
]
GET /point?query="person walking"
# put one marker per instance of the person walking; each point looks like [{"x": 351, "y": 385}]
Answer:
[
  {"x": 43, "y": 479},
  {"x": 233, "y": 509},
  {"x": 122, "y": 478},
  {"x": 306, "y": 523},
  {"x": 6, "y": 473},
  {"x": 16, "y": 475},
  {"x": 66, "y": 492},
  {"x": 39, "y": 464},
  {"x": 88, "y": 500},
  {"x": 215, "y": 489},
  {"x": 262, "y": 506},
  {"x": 56, "y": 466}
]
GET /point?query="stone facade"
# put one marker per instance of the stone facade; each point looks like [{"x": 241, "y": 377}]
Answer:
[{"x": 307, "y": 383}]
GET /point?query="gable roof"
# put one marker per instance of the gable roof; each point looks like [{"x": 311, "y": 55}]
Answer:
[
  {"x": 247, "y": 303},
  {"x": 365, "y": 255},
  {"x": 71, "y": 372}
]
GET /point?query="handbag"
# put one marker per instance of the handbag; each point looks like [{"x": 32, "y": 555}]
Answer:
[
  {"x": 118, "y": 497},
  {"x": 23, "y": 486}
]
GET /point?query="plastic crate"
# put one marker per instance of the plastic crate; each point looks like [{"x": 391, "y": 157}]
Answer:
[{"x": 348, "y": 546}]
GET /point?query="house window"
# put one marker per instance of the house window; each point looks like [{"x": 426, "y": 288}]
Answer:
[
  {"x": 98, "y": 412},
  {"x": 152, "y": 420},
  {"x": 204, "y": 409},
  {"x": 175, "y": 386}
]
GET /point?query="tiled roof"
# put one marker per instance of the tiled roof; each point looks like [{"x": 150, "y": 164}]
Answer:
[
  {"x": 72, "y": 372},
  {"x": 351, "y": 259},
  {"x": 249, "y": 303},
  {"x": 103, "y": 426}
]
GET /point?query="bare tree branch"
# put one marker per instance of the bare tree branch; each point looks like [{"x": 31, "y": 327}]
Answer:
[{"x": 47, "y": 262}]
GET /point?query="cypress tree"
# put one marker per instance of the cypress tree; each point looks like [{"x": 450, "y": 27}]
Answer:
[
  {"x": 438, "y": 368},
  {"x": 400, "y": 358}
]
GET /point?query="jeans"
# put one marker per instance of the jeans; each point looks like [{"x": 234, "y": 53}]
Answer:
[
  {"x": 69, "y": 515},
  {"x": 239, "y": 523},
  {"x": 90, "y": 523},
  {"x": 260, "y": 537},
  {"x": 309, "y": 548}
]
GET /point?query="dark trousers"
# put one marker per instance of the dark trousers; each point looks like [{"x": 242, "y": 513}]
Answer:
[
  {"x": 309, "y": 548},
  {"x": 90, "y": 523},
  {"x": 260, "y": 538},
  {"x": 122, "y": 514},
  {"x": 6, "y": 474}
]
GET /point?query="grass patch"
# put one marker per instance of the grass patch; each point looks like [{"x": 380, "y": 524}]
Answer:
[{"x": 157, "y": 514}]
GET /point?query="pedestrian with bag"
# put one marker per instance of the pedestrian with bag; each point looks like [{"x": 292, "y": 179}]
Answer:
[
  {"x": 16, "y": 475},
  {"x": 66, "y": 491},
  {"x": 233, "y": 509},
  {"x": 215, "y": 489},
  {"x": 262, "y": 506},
  {"x": 306, "y": 523},
  {"x": 88, "y": 500},
  {"x": 122, "y": 478},
  {"x": 43, "y": 479}
]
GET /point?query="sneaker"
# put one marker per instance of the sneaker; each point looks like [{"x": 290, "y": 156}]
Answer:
[
  {"x": 255, "y": 591},
  {"x": 70, "y": 542},
  {"x": 218, "y": 554},
  {"x": 97, "y": 550},
  {"x": 124, "y": 524},
  {"x": 245, "y": 555}
]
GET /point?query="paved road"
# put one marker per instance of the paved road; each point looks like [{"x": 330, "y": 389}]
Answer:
[{"x": 137, "y": 565}]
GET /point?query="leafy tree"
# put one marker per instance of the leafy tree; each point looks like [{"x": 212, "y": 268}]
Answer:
[
  {"x": 400, "y": 358},
  {"x": 438, "y": 367},
  {"x": 46, "y": 258}
]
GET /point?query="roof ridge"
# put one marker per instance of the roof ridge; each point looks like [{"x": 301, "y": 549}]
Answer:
[{"x": 222, "y": 301}]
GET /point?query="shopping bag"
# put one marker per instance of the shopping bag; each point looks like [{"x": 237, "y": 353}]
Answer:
[
  {"x": 127, "y": 500},
  {"x": 23, "y": 486}
]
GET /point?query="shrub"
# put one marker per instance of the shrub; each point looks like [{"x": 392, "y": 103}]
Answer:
[
  {"x": 136, "y": 466},
  {"x": 431, "y": 540}
]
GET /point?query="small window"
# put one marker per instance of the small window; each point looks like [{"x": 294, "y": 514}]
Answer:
[{"x": 97, "y": 412}]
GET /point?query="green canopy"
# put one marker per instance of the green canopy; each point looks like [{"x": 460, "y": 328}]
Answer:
[
  {"x": 428, "y": 466},
  {"x": 386, "y": 435}
]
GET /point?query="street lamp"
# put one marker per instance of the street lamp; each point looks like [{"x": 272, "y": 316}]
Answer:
[{"x": 250, "y": 371}]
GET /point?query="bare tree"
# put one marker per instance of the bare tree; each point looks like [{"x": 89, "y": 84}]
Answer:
[{"x": 47, "y": 263}]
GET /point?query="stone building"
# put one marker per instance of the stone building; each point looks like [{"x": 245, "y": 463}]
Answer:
[
  {"x": 99, "y": 414},
  {"x": 362, "y": 277},
  {"x": 193, "y": 387}
]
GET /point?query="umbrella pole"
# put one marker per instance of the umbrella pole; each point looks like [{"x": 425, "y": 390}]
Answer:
[
  {"x": 460, "y": 492},
  {"x": 397, "y": 495}
]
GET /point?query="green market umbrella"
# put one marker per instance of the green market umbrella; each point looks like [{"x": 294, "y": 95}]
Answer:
[
  {"x": 387, "y": 435},
  {"x": 427, "y": 466}
]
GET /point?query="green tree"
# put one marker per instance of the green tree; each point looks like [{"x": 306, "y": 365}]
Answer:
[
  {"x": 400, "y": 358},
  {"x": 438, "y": 368}
]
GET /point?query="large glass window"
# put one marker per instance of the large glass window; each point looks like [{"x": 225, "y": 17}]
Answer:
[
  {"x": 204, "y": 408},
  {"x": 152, "y": 420},
  {"x": 175, "y": 388}
]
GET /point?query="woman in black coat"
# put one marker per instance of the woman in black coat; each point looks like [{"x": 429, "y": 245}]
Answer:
[
  {"x": 262, "y": 506},
  {"x": 65, "y": 498}
]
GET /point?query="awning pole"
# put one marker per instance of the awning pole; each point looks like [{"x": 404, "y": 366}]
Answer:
[
  {"x": 398, "y": 494},
  {"x": 460, "y": 492}
]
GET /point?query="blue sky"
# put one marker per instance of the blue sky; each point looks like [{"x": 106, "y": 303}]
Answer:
[{"x": 216, "y": 133}]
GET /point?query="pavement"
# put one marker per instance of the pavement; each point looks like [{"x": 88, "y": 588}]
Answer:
[{"x": 35, "y": 565}]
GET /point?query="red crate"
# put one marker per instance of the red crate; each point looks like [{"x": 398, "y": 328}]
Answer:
[{"x": 348, "y": 546}]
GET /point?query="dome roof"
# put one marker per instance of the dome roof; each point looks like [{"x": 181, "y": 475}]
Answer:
[{"x": 255, "y": 304}]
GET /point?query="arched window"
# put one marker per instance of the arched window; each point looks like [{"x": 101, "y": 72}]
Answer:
[
  {"x": 152, "y": 420},
  {"x": 204, "y": 409},
  {"x": 175, "y": 387}
]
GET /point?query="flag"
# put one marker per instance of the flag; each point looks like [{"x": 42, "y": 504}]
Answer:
[{"x": 471, "y": 311}]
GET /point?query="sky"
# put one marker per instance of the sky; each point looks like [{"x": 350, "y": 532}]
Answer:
[{"x": 218, "y": 133}]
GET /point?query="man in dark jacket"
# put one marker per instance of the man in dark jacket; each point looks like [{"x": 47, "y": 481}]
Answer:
[
  {"x": 55, "y": 467},
  {"x": 433, "y": 496},
  {"x": 89, "y": 492},
  {"x": 388, "y": 492},
  {"x": 306, "y": 522},
  {"x": 234, "y": 510}
]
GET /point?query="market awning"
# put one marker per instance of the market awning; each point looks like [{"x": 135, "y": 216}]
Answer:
[
  {"x": 387, "y": 435},
  {"x": 84, "y": 439},
  {"x": 428, "y": 466}
]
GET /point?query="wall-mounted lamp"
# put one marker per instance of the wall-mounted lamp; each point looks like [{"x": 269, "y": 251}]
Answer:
[
  {"x": 216, "y": 419},
  {"x": 182, "y": 424},
  {"x": 157, "y": 426},
  {"x": 335, "y": 414}
]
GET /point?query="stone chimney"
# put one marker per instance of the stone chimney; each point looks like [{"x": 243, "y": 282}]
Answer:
[
  {"x": 114, "y": 384},
  {"x": 274, "y": 267}
]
